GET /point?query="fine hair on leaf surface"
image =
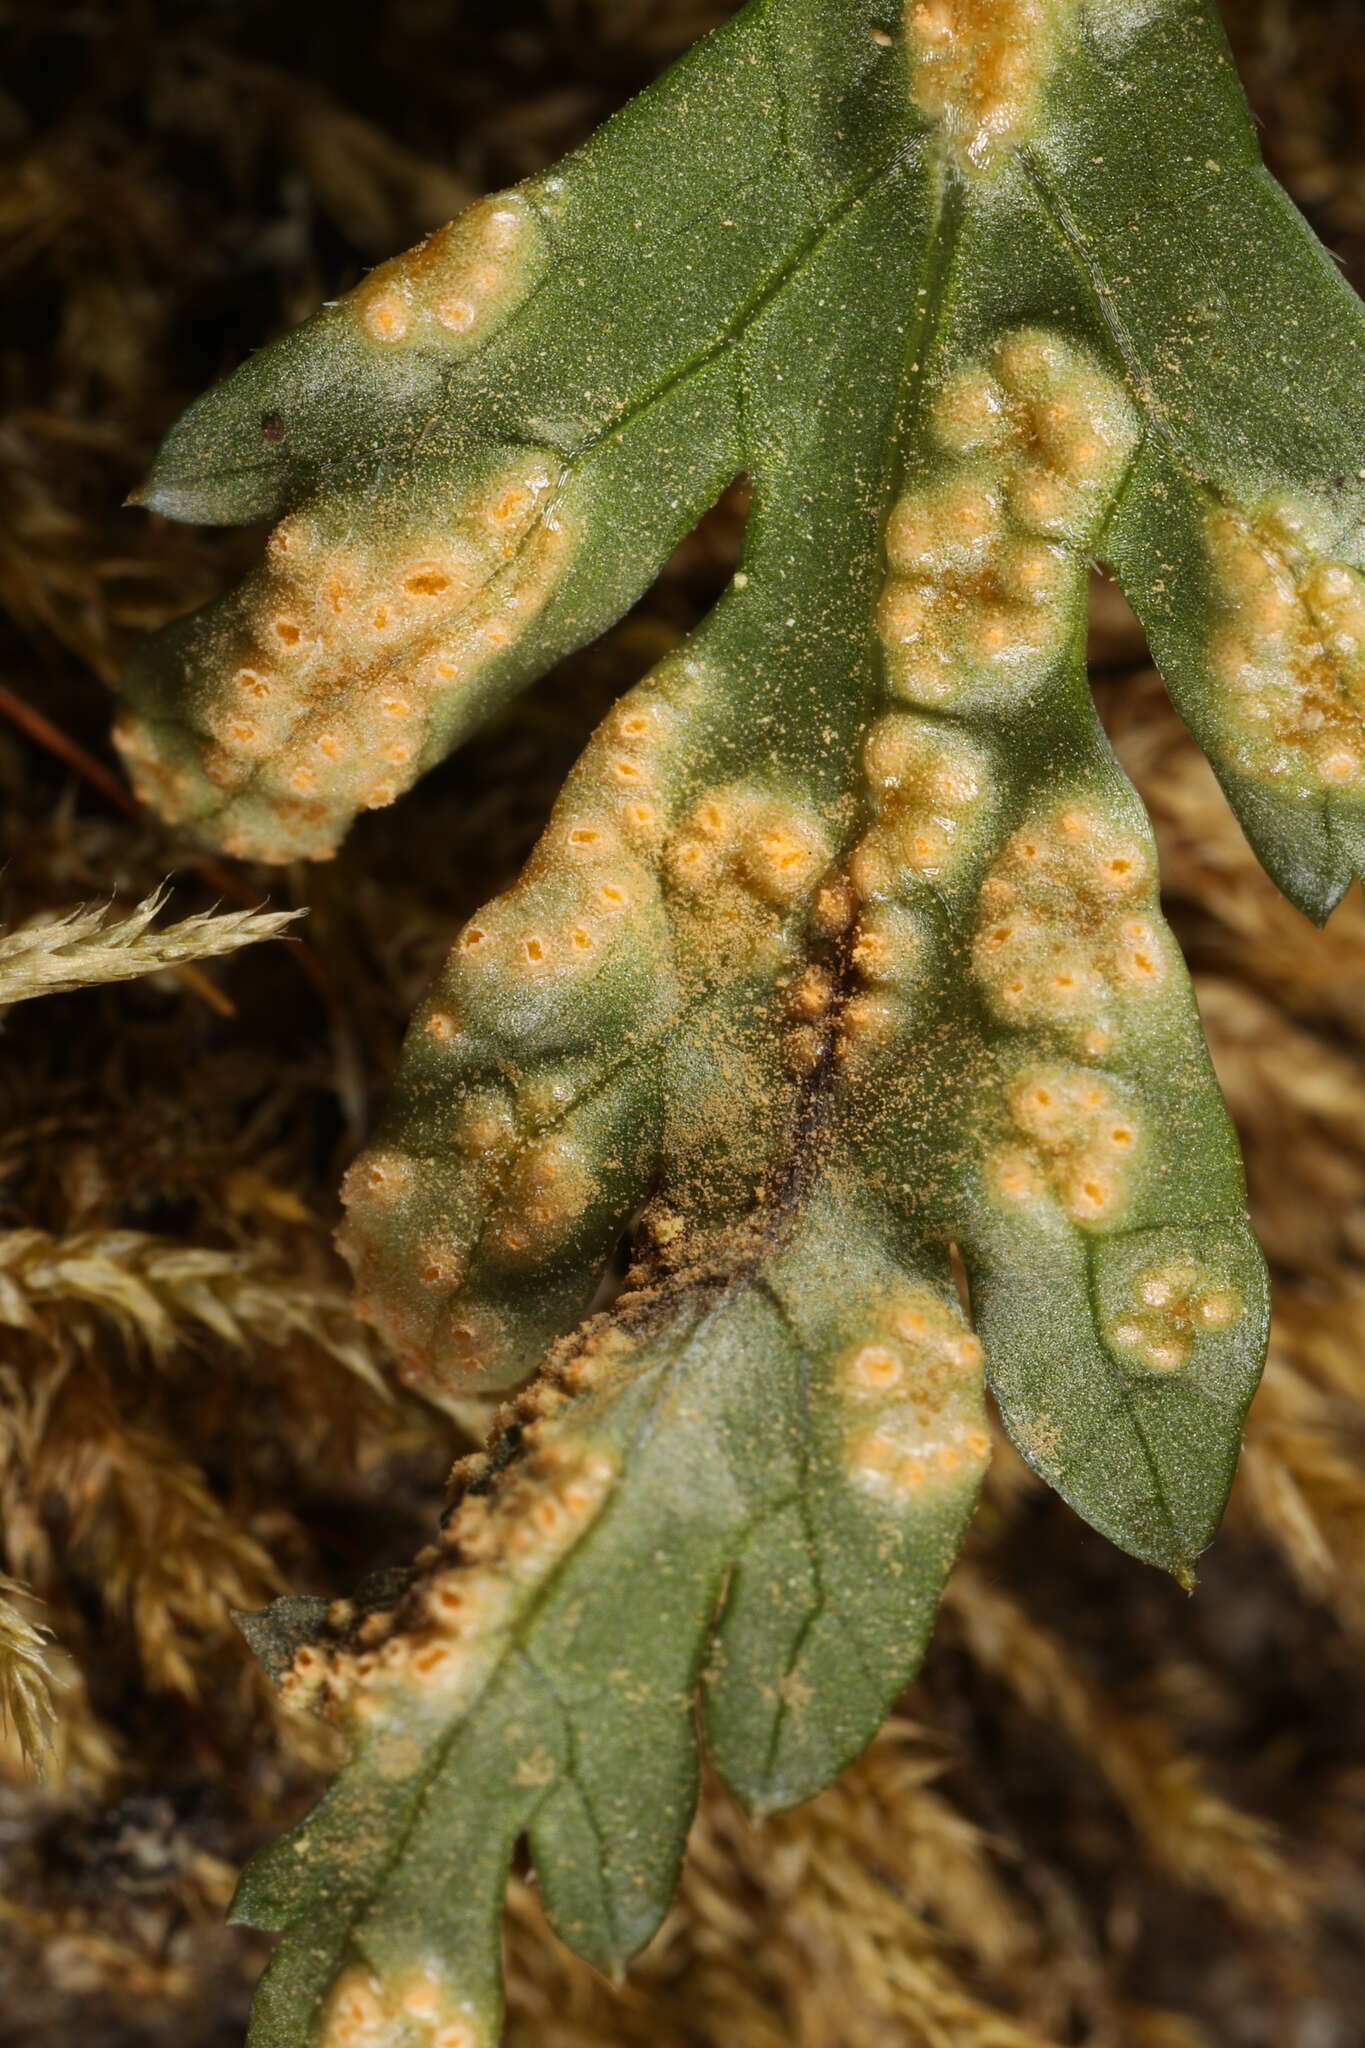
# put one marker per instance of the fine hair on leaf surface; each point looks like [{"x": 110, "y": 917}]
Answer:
[{"x": 838, "y": 982}]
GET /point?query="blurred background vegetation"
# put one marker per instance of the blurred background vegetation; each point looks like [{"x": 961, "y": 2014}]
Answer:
[{"x": 1107, "y": 1813}]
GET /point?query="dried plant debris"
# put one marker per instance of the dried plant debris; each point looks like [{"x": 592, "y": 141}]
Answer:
[
  {"x": 81, "y": 947},
  {"x": 1019, "y": 1864},
  {"x": 160, "y": 1291},
  {"x": 26, "y": 1701}
]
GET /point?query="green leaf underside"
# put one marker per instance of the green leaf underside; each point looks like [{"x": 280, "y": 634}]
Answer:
[{"x": 842, "y": 946}]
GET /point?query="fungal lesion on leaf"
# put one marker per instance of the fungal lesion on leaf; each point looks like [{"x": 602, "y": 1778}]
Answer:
[
  {"x": 1069, "y": 932},
  {"x": 461, "y": 283},
  {"x": 988, "y": 563},
  {"x": 979, "y": 69},
  {"x": 327, "y": 681},
  {"x": 1073, "y": 1140},
  {"x": 1288, "y": 647},
  {"x": 1171, "y": 1306},
  {"x": 442, "y": 1637},
  {"x": 420, "y": 2008},
  {"x": 916, "y": 1399}
]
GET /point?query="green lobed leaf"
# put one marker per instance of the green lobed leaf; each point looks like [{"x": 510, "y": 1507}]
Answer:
[
  {"x": 726, "y": 1461},
  {"x": 842, "y": 948}
]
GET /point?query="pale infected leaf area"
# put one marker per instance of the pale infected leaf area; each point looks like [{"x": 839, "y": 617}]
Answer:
[
  {"x": 460, "y": 282},
  {"x": 1290, "y": 647},
  {"x": 1068, "y": 935},
  {"x": 979, "y": 69},
  {"x": 989, "y": 560},
  {"x": 338, "y": 660},
  {"x": 832, "y": 1034},
  {"x": 328, "y": 682}
]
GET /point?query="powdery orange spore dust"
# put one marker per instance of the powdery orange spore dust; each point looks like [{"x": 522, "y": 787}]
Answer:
[
  {"x": 420, "y": 1663},
  {"x": 986, "y": 566},
  {"x": 418, "y": 2009},
  {"x": 1288, "y": 650},
  {"x": 930, "y": 793},
  {"x": 979, "y": 69},
  {"x": 1069, "y": 933},
  {"x": 457, "y": 286},
  {"x": 913, "y": 1390},
  {"x": 344, "y": 660},
  {"x": 1074, "y": 1141},
  {"x": 1173, "y": 1305},
  {"x": 740, "y": 843}
]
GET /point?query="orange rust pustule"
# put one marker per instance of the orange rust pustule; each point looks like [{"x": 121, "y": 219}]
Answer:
[
  {"x": 326, "y": 690},
  {"x": 1069, "y": 933},
  {"x": 979, "y": 69},
  {"x": 914, "y": 1393},
  {"x": 986, "y": 565},
  {"x": 1288, "y": 649},
  {"x": 459, "y": 284},
  {"x": 1173, "y": 1305},
  {"x": 1074, "y": 1141}
]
